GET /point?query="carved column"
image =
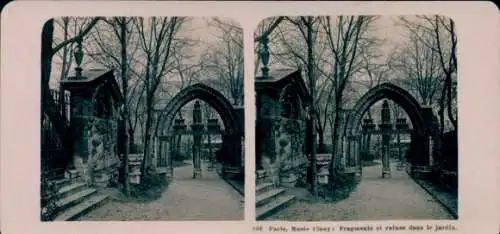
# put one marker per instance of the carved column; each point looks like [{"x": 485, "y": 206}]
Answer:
[
  {"x": 348, "y": 152},
  {"x": 169, "y": 153},
  {"x": 197, "y": 128},
  {"x": 168, "y": 156},
  {"x": 343, "y": 152},
  {"x": 386, "y": 127},
  {"x": 358, "y": 155},
  {"x": 157, "y": 156}
]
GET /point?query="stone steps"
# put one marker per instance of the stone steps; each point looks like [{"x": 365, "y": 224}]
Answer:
[
  {"x": 265, "y": 197},
  {"x": 62, "y": 182},
  {"x": 270, "y": 199},
  {"x": 75, "y": 199},
  {"x": 72, "y": 174},
  {"x": 82, "y": 208},
  {"x": 273, "y": 206},
  {"x": 263, "y": 187},
  {"x": 70, "y": 189}
]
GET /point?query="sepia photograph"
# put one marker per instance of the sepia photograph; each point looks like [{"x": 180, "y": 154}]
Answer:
[
  {"x": 356, "y": 118},
  {"x": 142, "y": 119}
]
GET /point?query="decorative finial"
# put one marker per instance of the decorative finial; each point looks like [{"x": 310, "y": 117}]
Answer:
[
  {"x": 78, "y": 58},
  {"x": 264, "y": 55}
]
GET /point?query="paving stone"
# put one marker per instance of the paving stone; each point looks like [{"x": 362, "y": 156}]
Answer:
[
  {"x": 207, "y": 198},
  {"x": 397, "y": 198}
]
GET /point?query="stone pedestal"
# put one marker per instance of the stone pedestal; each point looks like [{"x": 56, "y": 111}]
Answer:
[
  {"x": 386, "y": 165},
  {"x": 358, "y": 174},
  {"x": 170, "y": 173},
  {"x": 197, "y": 157},
  {"x": 196, "y": 173}
]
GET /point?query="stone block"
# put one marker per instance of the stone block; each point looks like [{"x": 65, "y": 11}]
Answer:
[
  {"x": 323, "y": 178},
  {"x": 102, "y": 179},
  {"x": 72, "y": 173},
  {"x": 135, "y": 177},
  {"x": 289, "y": 181}
]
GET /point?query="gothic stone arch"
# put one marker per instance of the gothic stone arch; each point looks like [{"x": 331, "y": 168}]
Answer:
[
  {"x": 419, "y": 153},
  {"x": 231, "y": 146}
]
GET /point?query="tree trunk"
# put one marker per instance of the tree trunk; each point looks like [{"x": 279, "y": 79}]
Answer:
[
  {"x": 335, "y": 133},
  {"x": 64, "y": 69},
  {"x": 449, "y": 102},
  {"x": 441, "y": 110},
  {"x": 147, "y": 135},
  {"x": 48, "y": 105},
  {"x": 311, "y": 75},
  {"x": 124, "y": 63}
]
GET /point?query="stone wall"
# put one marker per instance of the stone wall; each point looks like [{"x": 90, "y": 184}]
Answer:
[
  {"x": 100, "y": 165},
  {"x": 281, "y": 128},
  {"x": 285, "y": 161}
]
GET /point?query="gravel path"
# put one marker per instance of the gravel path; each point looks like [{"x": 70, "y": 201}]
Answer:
[
  {"x": 207, "y": 198},
  {"x": 374, "y": 199}
]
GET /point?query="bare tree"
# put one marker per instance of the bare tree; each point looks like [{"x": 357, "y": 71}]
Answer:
[
  {"x": 48, "y": 50},
  {"x": 443, "y": 41},
  {"x": 419, "y": 65},
  {"x": 305, "y": 56},
  {"x": 377, "y": 71},
  {"x": 265, "y": 32},
  {"x": 291, "y": 50},
  {"x": 345, "y": 37},
  {"x": 121, "y": 28},
  {"x": 225, "y": 60},
  {"x": 65, "y": 56},
  {"x": 105, "y": 47},
  {"x": 159, "y": 41}
]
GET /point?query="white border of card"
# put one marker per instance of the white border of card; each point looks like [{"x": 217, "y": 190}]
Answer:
[{"x": 479, "y": 91}]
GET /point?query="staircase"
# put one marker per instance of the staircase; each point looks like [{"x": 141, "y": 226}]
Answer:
[
  {"x": 269, "y": 199},
  {"x": 75, "y": 198}
]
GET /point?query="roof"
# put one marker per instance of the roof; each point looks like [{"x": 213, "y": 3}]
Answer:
[
  {"x": 90, "y": 75},
  {"x": 94, "y": 77},
  {"x": 275, "y": 75},
  {"x": 279, "y": 78}
]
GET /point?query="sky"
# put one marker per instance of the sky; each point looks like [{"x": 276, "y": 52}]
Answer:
[
  {"x": 196, "y": 28},
  {"x": 199, "y": 29}
]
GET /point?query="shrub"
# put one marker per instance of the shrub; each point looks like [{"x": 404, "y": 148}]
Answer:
[
  {"x": 48, "y": 199},
  {"x": 342, "y": 186},
  {"x": 150, "y": 188},
  {"x": 181, "y": 156}
]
